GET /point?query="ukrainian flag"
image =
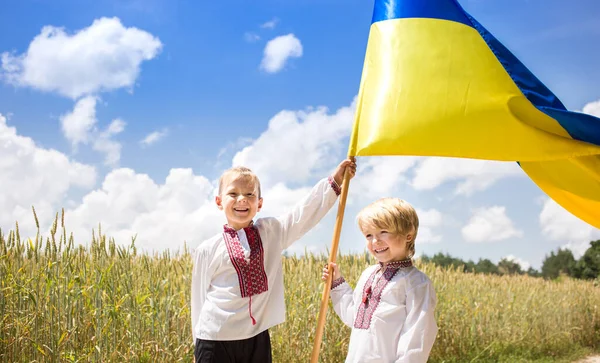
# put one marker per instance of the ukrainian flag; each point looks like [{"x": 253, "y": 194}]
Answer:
[{"x": 435, "y": 82}]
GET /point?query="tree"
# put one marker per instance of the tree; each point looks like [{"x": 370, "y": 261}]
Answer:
[
  {"x": 469, "y": 266},
  {"x": 588, "y": 266},
  {"x": 508, "y": 267},
  {"x": 533, "y": 272},
  {"x": 486, "y": 266},
  {"x": 561, "y": 262},
  {"x": 445, "y": 260}
]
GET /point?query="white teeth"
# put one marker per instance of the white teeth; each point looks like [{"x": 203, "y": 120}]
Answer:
[{"x": 381, "y": 250}]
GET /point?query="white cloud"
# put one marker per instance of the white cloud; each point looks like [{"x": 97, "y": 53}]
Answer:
[
  {"x": 280, "y": 198},
  {"x": 524, "y": 264},
  {"x": 154, "y": 137},
  {"x": 34, "y": 176},
  {"x": 115, "y": 127},
  {"x": 105, "y": 144},
  {"x": 161, "y": 215},
  {"x": 79, "y": 126},
  {"x": 560, "y": 225},
  {"x": 101, "y": 57},
  {"x": 428, "y": 221},
  {"x": 279, "y": 50},
  {"x": 79, "y": 123},
  {"x": 578, "y": 248},
  {"x": 271, "y": 24},
  {"x": 476, "y": 175},
  {"x": 251, "y": 37},
  {"x": 377, "y": 176},
  {"x": 490, "y": 224},
  {"x": 592, "y": 108},
  {"x": 233, "y": 146},
  {"x": 313, "y": 137}
]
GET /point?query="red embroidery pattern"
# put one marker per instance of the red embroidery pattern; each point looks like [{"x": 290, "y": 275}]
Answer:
[
  {"x": 251, "y": 275},
  {"x": 334, "y": 185},
  {"x": 337, "y": 282},
  {"x": 399, "y": 264},
  {"x": 372, "y": 295}
]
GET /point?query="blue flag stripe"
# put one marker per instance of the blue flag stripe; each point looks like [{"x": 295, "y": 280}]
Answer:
[{"x": 435, "y": 9}]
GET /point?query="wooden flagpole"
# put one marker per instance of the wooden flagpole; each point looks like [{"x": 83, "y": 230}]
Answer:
[{"x": 332, "y": 255}]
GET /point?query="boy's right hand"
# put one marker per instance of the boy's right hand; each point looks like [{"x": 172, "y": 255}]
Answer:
[
  {"x": 338, "y": 174},
  {"x": 335, "y": 270}
]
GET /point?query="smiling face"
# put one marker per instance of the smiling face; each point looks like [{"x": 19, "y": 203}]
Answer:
[
  {"x": 386, "y": 246},
  {"x": 390, "y": 226},
  {"x": 239, "y": 199}
]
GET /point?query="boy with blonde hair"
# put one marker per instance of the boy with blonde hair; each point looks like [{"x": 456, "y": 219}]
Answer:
[
  {"x": 391, "y": 311},
  {"x": 237, "y": 278}
]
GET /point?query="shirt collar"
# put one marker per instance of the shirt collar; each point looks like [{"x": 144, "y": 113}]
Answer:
[
  {"x": 229, "y": 229},
  {"x": 398, "y": 264}
]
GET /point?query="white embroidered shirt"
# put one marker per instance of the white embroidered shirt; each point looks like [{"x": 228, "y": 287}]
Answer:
[
  {"x": 237, "y": 278},
  {"x": 391, "y": 313}
]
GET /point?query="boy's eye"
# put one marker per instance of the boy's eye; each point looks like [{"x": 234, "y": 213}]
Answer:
[
  {"x": 368, "y": 235},
  {"x": 384, "y": 232}
]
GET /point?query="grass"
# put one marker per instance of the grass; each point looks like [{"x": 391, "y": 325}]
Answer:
[{"x": 62, "y": 302}]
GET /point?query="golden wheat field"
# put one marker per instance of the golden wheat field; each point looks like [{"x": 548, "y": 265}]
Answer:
[{"x": 63, "y": 302}]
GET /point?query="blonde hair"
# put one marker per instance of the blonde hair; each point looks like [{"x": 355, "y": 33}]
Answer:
[
  {"x": 239, "y": 172},
  {"x": 394, "y": 215}
]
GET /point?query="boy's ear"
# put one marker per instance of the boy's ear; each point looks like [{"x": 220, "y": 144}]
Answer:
[
  {"x": 260, "y": 201},
  {"x": 410, "y": 237},
  {"x": 219, "y": 202}
]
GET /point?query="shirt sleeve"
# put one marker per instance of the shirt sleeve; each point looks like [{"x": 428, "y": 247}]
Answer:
[
  {"x": 420, "y": 328},
  {"x": 342, "y": 298},
  {"x": 201, "y": 278},
  {"x": 308, "y": 211}
]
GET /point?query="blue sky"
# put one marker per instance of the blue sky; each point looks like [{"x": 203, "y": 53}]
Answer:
[{"x": 78, "y": 100}]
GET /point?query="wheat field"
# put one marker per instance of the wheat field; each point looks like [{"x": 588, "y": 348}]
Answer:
[{"x": 104, "y": 302}]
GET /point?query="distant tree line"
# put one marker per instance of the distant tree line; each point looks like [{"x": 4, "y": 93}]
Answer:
[{"x": 561, "y": 262}]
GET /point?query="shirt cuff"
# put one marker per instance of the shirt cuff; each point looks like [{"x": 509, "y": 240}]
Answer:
[
  {"x": 337, "y": 282},
  {"x": 334, "y": 185}
]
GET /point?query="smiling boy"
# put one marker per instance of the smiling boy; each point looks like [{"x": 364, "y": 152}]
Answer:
[
  {"x": 391, "y": 311},
  {"x": 237, "y": 278}
]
